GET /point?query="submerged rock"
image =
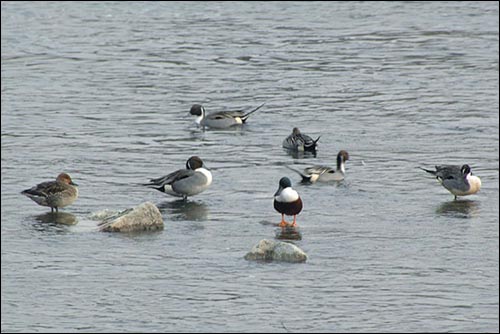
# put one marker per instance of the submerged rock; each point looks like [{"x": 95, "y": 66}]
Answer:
[
  {"x": 145, "y": 217},
  {"x": 269, "y": 250}
]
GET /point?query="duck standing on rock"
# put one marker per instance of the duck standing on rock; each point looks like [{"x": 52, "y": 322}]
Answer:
[{"x": 287, "y": 202}]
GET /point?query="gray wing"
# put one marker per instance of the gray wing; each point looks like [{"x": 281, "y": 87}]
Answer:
[
  {"x": 449, "y": 172},
  {"x": 318, "y": 170},
  {"x": 307, "y": 140},
  {"x": 221, "y": 120},
  {"x": 192, "y": 185},
  {"x": 293, "y": 141},
  {"x": 170, "y": 178},
  {"x": 452, "y": 178},
  {"x": 225, "y": 114},
  {"x": 45, "y": 189}
]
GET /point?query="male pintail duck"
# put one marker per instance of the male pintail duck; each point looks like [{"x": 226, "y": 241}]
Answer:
[
  {"x": 54, "y": 194},
  {"x": 298, "y": 141},
  {"x": 287, "y": 201},
  {"x": 324, "y": 173},
  {"x": 457, "y": 180},
  {"x": 220, "y": 119},
  {"x": 184, "y": 182}
]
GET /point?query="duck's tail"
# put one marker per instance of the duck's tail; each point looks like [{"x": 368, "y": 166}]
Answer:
[
  {"x": 244, "y": 117},
  {"x": 433, "y": 172},
  {"x": 305, "y": 178}
]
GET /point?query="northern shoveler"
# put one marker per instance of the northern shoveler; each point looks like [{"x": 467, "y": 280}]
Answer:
[{"x": 287, "y": 201}]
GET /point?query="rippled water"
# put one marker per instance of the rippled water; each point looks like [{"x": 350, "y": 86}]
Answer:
[{"x": 102, "y": 91}]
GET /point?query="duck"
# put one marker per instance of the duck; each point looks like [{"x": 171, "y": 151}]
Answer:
[
  {"x": 192, "y": 180},
  {"x": 298, "y": 141},
  {"x": 54, "y": 194},
  {"x": 458, "y": 180},
  {"x": 287, "y": 202},
  {"x": 324, "y": 173},
  {"x": 220, "y": 119}
]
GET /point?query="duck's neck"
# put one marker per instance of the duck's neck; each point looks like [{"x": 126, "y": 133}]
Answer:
[
  {"x": 201, "y": 117},
  {"x": 207, "y": 174},
  {"x": 340, "y": 164},
  {"x": 474, "y": 183}
]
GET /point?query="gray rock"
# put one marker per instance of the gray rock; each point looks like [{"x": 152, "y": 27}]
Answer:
[
  {"x": 145, "y": 217},
  {"x": 269, "y": 250}
]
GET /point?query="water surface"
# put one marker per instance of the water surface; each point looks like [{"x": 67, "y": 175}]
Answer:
[{"x": 102, "y": 90}]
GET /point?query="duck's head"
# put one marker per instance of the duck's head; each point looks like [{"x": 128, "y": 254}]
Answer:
[
  {"x": 344, "y": 155},
  {"x": 194, "y": 163},
  {"x": 465, "y": 170},
  {"x": 65, "y": 178},
  {"x": 284, "y": 183},
  {"x": 197, "y": 110}
]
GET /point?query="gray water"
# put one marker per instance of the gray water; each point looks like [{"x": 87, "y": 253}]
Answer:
[{"x": 102, "y": 91}]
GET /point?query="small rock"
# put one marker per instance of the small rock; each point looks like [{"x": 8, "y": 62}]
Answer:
[
  {"x": 269, "y": 250},
  {"x": 145, "y": 217}
]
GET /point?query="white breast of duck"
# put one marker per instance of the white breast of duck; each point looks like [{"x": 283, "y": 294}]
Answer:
[
  {"x": 287, "y": 195},
  {"x": 474, "y": 183},
  {"x": 207, "y": 174}
]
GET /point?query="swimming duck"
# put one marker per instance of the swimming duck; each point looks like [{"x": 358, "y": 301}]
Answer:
[
  {"x": 300, "y": 142},
  {"x": 324, "y": 173},
  {"x": 54, "y": 194},
  {"x": 220, "y": 119},
  {"x": 458, "y": 180},
  {"x": 287, "y": 202},
  {"x": 184, "y": 182}
]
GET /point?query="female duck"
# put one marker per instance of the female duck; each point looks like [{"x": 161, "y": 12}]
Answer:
[
  {"x": 54, "y": 194},
  {"x": 221, "y": 119},
  {"x": 457, "y": 180},
  {"x": 323, "y": 173},
  {"x": 298, "y": 141},
  {"x": 184, "y": 182},
  {"x": 287, "y": 202}
]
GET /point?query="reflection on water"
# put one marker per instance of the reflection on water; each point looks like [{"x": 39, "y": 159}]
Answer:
[
  {"x": 63, "y": 218},
  {"x": 289, "y": 233},
  {"x": 53, "y": 222},
  {"x": 185, "y": 210},
  {"x": 301, "y": 155},
  {"x": 459, "y": 208}
]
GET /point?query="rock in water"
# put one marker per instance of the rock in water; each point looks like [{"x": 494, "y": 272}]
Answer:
[
  {"x": 269, "y": 250},
  {"x": 145, "y": 217}
]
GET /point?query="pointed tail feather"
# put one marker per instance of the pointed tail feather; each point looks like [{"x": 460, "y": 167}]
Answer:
[
  {"x": 154, "y": 186},
  {"x": 428, "y": 171},
  {"x": 305, "y": 178},
  {"x": 244, "y": 117}
]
